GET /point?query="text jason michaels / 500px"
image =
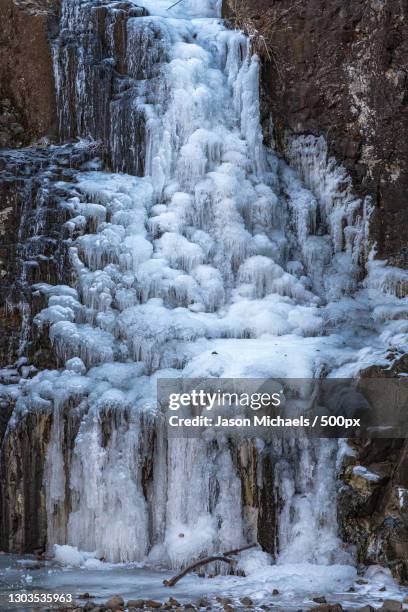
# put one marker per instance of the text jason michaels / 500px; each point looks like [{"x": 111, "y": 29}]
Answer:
[{"x": 264, "y": 421}]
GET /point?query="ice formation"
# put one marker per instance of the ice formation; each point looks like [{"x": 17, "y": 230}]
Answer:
[{"x": 217, "y": 259}]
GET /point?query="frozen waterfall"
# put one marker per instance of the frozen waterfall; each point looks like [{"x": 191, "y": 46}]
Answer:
[{"x": 200, "y": 253}]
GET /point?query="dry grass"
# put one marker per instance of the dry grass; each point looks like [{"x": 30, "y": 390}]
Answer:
[
  {"x": 260, "y": 27},
  {"x": 257, "y": 27}
]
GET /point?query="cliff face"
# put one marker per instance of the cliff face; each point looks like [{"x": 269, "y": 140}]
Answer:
[
  {"x": 32, "y": 247},
  {"x": 27, "y": 91},
  {"x": 373, "y": 496},
  {"x": 340, "y": 69},
  {"x": 373, "y": 513}
]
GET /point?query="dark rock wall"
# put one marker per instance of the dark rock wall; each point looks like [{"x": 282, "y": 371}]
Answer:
[
  {"x": 32, "y": 243},
  {"x": 23, "y": 517},
  {"x": 340, "y": 69},
  {"x": 107, "y": 65},
  {"x": 373, "y": 513},
  {"x": 259, "y": 493},
  {"x": 28, "y": 246},
  {"x": 27, "y": 89}
]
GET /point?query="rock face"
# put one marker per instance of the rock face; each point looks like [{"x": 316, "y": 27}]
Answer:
[
  {"x": 23, "y": 518},
  {"x": 27, "y": 90},
  {"x": 32, "y": 248},
  {"x": 339, "y": 69},
  {"x": 373, "y": 504},
  {"x": 373, "y": 499},
  {"x": 116, "y": 54}
]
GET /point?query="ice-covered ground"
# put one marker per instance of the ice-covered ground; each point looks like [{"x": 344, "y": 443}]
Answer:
[
  {"x": 221, "y": 262},
  {"x": 296, "y": 584}
]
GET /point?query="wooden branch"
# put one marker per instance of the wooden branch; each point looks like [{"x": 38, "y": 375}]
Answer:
[
  {"x": 190, "y": 568},
  {"x": 236, "y": 551},
  {"x": 224, "y": 557},
  {"x": 175, "y": 4}
]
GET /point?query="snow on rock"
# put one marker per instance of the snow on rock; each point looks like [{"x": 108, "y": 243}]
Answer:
[
  {"x": 360, "y": 470},
  {"x": 72, "y": 557}
]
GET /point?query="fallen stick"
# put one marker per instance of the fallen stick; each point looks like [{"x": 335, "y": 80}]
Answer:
[
  {"x": 224, "y": 557},
  {"x": 175, "y": 4},
  {"x": 236, "y": 551},
  {"x": 190, "y": 568}
]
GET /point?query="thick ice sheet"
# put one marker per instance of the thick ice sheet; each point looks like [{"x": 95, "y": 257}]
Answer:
[{"x": 297, "y": 584}]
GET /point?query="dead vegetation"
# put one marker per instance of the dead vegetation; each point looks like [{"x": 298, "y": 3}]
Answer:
[
  {"x": 257, "y": 27},
  {"x": 260, "y": 27}
]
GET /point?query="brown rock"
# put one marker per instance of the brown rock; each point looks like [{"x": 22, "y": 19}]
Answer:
[
  {"x": 17, "y": 484},
  {"x": 26, "y": 72},
  {"x": 150, "y": 603},
  {"x": 374, "y": 516},
  {"x": 390, "y": 605},
  {"x": 203, "y": 602},
  {"x": 173, "y": 601},
  {"x": 363, "y": 486},
  {"x": 115, "y": 603},
  {"x": 135, "y": 603}
]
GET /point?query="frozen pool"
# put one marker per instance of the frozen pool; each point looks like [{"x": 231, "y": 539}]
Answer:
[{"x": 297, "y": 585}]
